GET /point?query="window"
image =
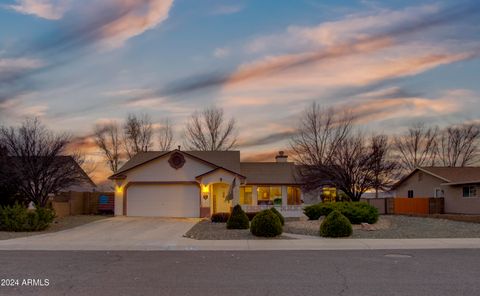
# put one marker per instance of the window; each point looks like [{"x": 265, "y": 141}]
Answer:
[
  {"x": 293, "y": 196},
  {"x": 246, "y": 195},
  {"x": 410, "y": 193},
  {"x": 469, "y": 191},
  {"x": 269, "y": 195},
  {"x": 439, "y": 192}
]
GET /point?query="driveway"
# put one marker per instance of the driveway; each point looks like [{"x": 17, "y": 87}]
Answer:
[{"x": 117, "y": 233}]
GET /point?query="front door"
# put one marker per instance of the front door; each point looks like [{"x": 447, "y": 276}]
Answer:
[{"x": 220, "y": 191}]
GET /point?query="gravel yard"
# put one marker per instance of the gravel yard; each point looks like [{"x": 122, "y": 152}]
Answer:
[
  {"x": 206, "y": 230},
  {"x": 57, "y": 225},
  {"x": 397, "y": 227}
]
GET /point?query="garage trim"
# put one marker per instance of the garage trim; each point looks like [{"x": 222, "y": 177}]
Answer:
[{"x": 155, "y": 183}]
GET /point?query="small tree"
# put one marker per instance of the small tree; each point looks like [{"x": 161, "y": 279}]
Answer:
[
  {"x": 210, "y": 131},
  {"x": 137, "y": 134},
  {"x": 36, "y": 162},
  {"x": 165, "y": 136},
  {"x": 107, "y": 138},
  {"x": 418, "y": 147},
  {"x": 459, "y": 145}
]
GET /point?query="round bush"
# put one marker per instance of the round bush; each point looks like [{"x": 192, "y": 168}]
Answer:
[
  {"x": 266, "y": 224},
  {"x": 238, "y": 219},
  {"x": 336, "y": 225},
  {"x": 280, "y": 216}
]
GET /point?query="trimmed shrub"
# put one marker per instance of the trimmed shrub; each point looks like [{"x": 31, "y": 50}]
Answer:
[
  {"x": 220, "y": 217},
  {"x": 250, "y": 215},
  {"x": 356, "y": 212},
  {"x": 238, "y": 219},
  {"x": 266, "y": 224},
  {"x": 335, "y": 225},
  {"x": 280, "y": 216},
  {"x": 19, "y": 218}
]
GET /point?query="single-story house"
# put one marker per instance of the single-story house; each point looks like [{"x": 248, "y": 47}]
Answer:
[
  {"x": 459, "y": 186},
  {"x": 200, "y": 183}
]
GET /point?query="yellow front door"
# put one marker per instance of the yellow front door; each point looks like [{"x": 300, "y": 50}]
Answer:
[{"x": 220, "y": 191}]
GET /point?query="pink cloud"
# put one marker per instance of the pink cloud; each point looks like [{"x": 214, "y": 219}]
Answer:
[{"x": 47, "y": 9}]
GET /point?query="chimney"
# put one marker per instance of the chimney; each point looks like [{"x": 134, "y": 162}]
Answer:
[{"x": 281, "y": 157}]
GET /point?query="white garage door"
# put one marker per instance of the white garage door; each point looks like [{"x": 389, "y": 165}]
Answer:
[{"x": 163, "y": 200}]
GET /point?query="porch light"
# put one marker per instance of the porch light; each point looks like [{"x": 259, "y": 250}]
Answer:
[
  {"x": 205, "y": 188},
  {"x": 119, "y": 189}
]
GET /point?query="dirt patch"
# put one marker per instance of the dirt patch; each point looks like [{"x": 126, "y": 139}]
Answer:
[
  {"x": 57, "y": 225},
  {"x": 206, "y": 230}
]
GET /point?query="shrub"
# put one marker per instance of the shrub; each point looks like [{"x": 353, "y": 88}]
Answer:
[
  {"x": 277, "y": 201},
  {"x": 250, "y": 215},
  {"x": 19, "y": 218},
  {"x": 280, "y": 216},
  {"x": 238, "y": 219},
  {"x": 220, "y": 217},
  {"x": 335, "y": 225},
  {"x": 356, "y": 212},
  {"x": 266, "y": 224}
]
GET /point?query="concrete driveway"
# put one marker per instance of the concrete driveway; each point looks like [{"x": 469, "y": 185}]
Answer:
[{"x": 117, "y": 233}]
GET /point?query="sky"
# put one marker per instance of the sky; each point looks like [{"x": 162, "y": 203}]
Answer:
[{"x": 76, "y": 63}]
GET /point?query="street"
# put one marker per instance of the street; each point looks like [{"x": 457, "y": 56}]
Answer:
[{"x": 362, "y": 272}]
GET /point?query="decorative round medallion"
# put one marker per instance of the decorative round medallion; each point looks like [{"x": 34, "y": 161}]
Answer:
[{"x": 177, "y": 160}]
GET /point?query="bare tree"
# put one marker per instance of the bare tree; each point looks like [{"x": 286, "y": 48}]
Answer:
[
  {"x": 107, "y": 138},
  {"x": 384, "y": 169},
  {"x": 319, "y": 133},
  {"x": 209, "y": 131},
  {"x": 418, "y": 147},
  {"x": 36, "y": 162},
  {"x": 138, "y": 134},
  {"x": 459, "y": 145},
  {"x": 165, "y": 136}
]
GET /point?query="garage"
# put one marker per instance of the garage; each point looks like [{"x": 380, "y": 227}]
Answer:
[{"x": 175, "y": 200}]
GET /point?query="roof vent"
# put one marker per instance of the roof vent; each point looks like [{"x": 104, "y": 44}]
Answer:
[{"x": 281, "y": 157}]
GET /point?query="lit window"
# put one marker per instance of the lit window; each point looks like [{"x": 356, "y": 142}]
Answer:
[
  {"x": 293, "y": 194},
  {"x": 246, "y": 195},
  {"x": 269, "y": 195}
]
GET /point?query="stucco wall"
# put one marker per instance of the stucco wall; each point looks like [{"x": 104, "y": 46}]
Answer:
[
  {"x": 422, "y": 184},
  {"x": 455, "y": 203}
]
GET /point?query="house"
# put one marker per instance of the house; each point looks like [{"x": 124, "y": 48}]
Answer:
[
  {"x": 199, "y": 183},
  {"x": 459, "y": 186}
]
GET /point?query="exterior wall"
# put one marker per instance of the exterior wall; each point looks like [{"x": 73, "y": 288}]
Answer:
[
  {"x": 423, "y": 186},
  {"x": 158, "y": 170},
  {"x": 455, "y": 203}
]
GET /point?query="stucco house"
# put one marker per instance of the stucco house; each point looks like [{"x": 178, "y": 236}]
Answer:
[
  {"x": 460, "y": 187},
  {"x": 199, "y": 183}
]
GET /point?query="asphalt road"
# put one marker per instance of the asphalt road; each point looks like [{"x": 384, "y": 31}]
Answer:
[{"x": 406, "y": 272}]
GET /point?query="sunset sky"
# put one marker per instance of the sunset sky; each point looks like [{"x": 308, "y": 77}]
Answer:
[{"x": 74, "y": 63}]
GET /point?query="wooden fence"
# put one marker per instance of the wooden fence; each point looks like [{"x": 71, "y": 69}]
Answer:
[
  {"x": 78, "y": 203},
  {"x": 419, "y": 205}
]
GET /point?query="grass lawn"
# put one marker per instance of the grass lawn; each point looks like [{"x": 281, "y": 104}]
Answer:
[{"x": 57, "y": 225}]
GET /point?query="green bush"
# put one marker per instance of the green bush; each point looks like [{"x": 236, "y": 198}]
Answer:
[
  {"x": 280, "y": 216},
  {"x": 19, "y": 218},
  {"x": 335, "y": 225},
  {"x": 266, "y": 224},
  {"x": 238, "y": 219},
  {"x": 356, "y": 212},
  {"x": 220, "y": 217}
]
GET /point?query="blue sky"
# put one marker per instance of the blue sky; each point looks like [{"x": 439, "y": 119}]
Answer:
[{"x": 76, "y": 63}]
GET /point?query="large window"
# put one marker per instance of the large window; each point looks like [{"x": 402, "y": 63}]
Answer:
[
  {"x": 469, "y": 191},
  {"x": 293, "y": 194},
  {"x": 269, "y": 195},
  {"x": 246, "y": 195}
]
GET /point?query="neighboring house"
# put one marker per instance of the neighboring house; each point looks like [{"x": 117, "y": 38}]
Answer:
[
  {"x": 460, "y": 187},
  {"x": 199, "y": 183}
]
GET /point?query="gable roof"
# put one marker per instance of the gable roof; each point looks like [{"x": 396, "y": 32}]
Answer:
[
  {"x": 460, "y": 175},
  {"x": 450, "y": 175},
  {"x": 269, "y": 172},
  {"x": 229, "y": 160}
]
